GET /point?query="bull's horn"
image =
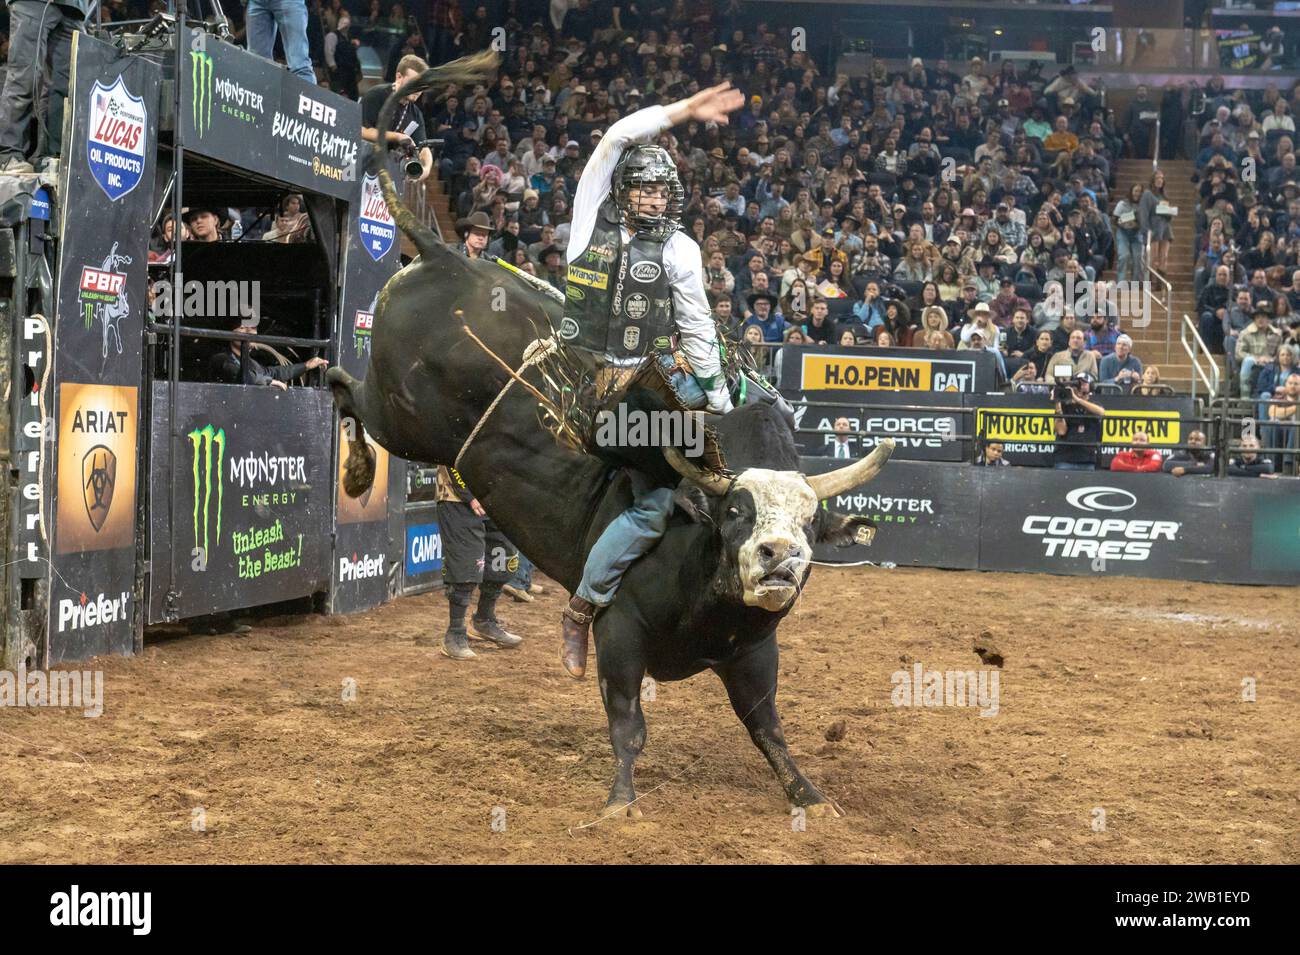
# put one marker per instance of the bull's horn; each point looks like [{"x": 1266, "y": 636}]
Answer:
[
  {"x": 860, "y": 472},
  {"x": 712, "y": 483}
]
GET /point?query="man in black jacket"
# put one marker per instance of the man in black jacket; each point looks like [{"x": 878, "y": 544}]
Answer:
[
  {"x": 227, "y": 365},
  {"x": 1212, "y": 307},
  {"x": 407, "y": 127},
  {"x": 1195, "y": 460},
  {"x": 1247, "y": 462}
]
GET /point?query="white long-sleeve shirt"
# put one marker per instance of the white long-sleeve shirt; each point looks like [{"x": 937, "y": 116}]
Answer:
[{"x": 682, "y": 262}]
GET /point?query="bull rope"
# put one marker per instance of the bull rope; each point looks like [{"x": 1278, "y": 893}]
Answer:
[{"x": 534, "y": 354}]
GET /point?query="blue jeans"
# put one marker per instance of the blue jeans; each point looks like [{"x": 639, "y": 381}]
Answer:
[
  {"x": 1074, "y": 466},
  {"x": 1129, "y": 249},
  {"x": 1247, "y": 368},
  {"x": 631, "y": 534},
  {"x": 290, "y": 17},
  {"x": 523, "y": 577}
]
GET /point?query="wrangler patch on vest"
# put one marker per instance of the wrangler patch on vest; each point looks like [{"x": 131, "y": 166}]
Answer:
[{"x": 588, "y": 277}]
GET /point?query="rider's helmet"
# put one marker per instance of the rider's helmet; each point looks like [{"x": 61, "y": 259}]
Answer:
[{"x": 647, "y": 166}]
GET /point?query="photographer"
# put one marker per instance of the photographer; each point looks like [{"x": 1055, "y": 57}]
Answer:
[
  {"x": 1078, "y": 422},
  {"x": 408, "y": 122}
]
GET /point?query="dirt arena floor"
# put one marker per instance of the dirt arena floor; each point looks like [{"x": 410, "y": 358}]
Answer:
[{"x": 1116, "y": 696}]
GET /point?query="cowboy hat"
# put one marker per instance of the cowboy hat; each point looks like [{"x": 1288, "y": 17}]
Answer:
[{"x": 477, "y": 220}]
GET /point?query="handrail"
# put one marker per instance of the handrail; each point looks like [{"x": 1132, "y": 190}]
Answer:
[
  {"x": 1194, "y": 346},
  {"x": 417, "y": 199},
  {"x": 1167, "y": 303}
]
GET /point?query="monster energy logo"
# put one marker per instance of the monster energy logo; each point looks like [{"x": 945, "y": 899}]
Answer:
[
  {"x": 201, "y": 76},
  {"x": 203, "y": 439}
]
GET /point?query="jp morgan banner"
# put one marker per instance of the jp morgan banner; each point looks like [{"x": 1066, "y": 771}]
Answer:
[
  {"x": 1024, "y": 424},
  {"x": 821, "y": 368},
  {"x": 1098, "y": 523}
]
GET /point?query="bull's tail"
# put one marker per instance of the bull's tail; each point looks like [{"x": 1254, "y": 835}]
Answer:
[
  {"x": 359, "y": 468},
  {"x": 467, "y": 69}
]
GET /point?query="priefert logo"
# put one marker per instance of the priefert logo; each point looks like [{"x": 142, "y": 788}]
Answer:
[
  {"x": 360, "y": 568},
  {"x": 91, "y": 612}
]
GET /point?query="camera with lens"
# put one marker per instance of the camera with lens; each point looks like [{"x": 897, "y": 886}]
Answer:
[
  {"x": 1062, "y": 390},
  {"x": 410, "y": 160}
]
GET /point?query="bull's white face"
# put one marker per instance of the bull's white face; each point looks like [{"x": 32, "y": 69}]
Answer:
[{"x": 768, "y": 517}]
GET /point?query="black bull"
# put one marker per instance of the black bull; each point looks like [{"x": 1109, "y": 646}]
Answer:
[{"x": 680, "y": 608}]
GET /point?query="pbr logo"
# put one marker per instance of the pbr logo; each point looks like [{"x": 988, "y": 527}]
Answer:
[
  {"x": 631, "y": 337},
  {"x": 115, "y": 141},
  {"x": 98, "y": 478},
  {"x": 378, "y": 230},
  {"x": 103, "y": 297},
  {"x": 365, "y": 322}
]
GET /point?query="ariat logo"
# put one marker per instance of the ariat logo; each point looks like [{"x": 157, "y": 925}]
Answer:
[
  {"x": 98, "y": 479},
  {"x": 201, "y": 81},
  {"x": 207, "y": 469}
]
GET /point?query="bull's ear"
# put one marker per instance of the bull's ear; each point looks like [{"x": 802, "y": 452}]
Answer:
[
  {"x": 690, "y": 497},
  {"x": 844, "y": 530}
]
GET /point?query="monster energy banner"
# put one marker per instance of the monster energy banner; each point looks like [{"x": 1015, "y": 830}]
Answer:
[
  {"x": 253, "y": 478},
  {"x": 1024, "y": 424},
  {"x": 1232, "y": 530},
  {"x": 371, "y": 258},
  {"x": 924, "y": 426},
  {"x": 926, "y": 515},
  {"x": 246, "y": 111},
  {"x": 106, "y": 182}
]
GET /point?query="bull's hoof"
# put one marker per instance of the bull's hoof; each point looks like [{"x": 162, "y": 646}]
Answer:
[
  {"x": 629, "y": 810},
  {"x": 824, "y": 810}
]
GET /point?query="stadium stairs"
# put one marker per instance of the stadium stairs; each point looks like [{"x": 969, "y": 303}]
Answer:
[{"x": 1149, "y": 342}]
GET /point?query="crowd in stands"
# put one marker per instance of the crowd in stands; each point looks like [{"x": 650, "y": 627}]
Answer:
[
  {"x": 946, "y": 205},
  {"x": 1247, "y": 275},
  {"x": 941, "y": 205}
]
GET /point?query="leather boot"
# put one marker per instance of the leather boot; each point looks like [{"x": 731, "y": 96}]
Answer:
[{"x": 576, "y": 623}]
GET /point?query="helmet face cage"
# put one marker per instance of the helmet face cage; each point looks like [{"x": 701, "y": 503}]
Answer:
[{"x": 645, "y": 165}]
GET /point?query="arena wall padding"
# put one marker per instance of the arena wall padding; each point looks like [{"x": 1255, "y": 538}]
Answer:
[{"x": 1031, "y": 520}]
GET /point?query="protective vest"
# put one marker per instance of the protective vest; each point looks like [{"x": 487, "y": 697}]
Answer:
[{"x": 618, "y": 299}]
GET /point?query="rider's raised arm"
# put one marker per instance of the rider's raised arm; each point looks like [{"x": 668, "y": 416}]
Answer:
[{"x": 594, "y": 183}]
